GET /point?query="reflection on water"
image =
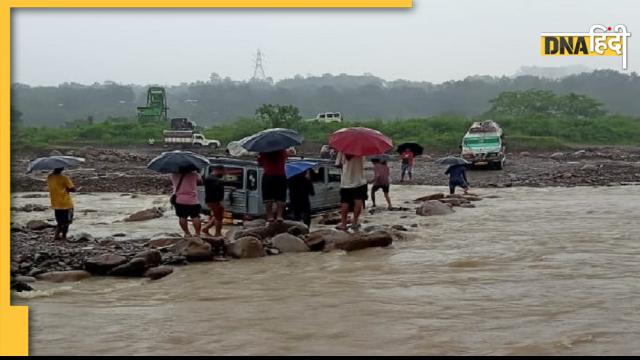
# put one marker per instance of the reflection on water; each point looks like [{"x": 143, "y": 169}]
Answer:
[{"x": 536, "y": 271}]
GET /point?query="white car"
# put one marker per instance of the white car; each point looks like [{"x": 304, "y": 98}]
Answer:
[{"x": 328, "y": 117}]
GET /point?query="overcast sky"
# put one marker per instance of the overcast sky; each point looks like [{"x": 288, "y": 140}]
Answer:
[{"x": 435, "y": 41}]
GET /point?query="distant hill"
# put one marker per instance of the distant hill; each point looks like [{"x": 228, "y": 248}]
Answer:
[{"x": 552, "y": 72}]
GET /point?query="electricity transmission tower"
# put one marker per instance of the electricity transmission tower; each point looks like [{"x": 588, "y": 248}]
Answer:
[{"x": 258, "y": 70}]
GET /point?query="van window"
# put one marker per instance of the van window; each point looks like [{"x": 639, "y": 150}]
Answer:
[
  {"x": 252, "y": 180},
  {"x": 329, "y": 115},
  {"x": 334, "y": 175},
  {"x": 322, "y": 116},
  {"x": 233, "y": 176},
  {"x": 318, "y": 175}
]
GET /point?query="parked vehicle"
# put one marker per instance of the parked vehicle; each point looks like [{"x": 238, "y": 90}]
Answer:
[
  {"x": 483, "y": 145},
  {"x": 243, "y": 187},
  {"x": 328, "y": 117},
  {"x": 188, "y": 138}
]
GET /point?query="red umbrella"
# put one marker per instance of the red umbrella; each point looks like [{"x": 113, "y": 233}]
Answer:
[{"x": 360, "y": 141}]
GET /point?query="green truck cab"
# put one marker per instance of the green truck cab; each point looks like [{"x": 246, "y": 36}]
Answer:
[{"x": 483, "y": 145}]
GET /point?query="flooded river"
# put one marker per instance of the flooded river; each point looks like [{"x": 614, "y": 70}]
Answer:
[{"x": 536, "y": 271}]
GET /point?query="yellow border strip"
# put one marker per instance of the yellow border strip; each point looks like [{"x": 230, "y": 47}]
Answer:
[{"x": 14, "y": 320}]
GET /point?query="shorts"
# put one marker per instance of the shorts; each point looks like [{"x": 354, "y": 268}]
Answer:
[
  {"x": 385, "y": 188},
  {"x": 407, "y": 168},
  {"x": 187, "y": 211},
  {"x": 349, "y": 195},
  {"x": 274, "y": 188},
  {"x": 64, "y": 216},
  {"x": 216, "y": 209}
]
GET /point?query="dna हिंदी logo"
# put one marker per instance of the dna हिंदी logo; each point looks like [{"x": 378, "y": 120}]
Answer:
[{"x": 599, "y": 41}]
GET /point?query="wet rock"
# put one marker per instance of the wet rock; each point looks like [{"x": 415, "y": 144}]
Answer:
[
  {"x": 17, "y": 228},
  {"x": 38, "y": 225},
  {"x": 246, "y": 247},
  {"x": 453, "y": 201},
  {"x": 217, "y": 245},
  {"x": 64, "y": 276},
  {"x": 19, "y": 286},
  {"x": 255, "y": 223},
  {"x": 35, "y": 271},
  {"x": 557, "y": 156},
  {"x": 144, "y": 215},
  {"x": 433, "y": 207},
  {"x": 330, "y": 219},
  {"x": 580, "y": 153},
  {"x": 289, "y": 243},
  {"x": 30, "y": 208},
  {"x": 296, "y": 228},
  {"x": 467, "y": 205},
  {"x": 363, "y": 241},
  {"x": 399, "y": 227},
  {"x": 272, "y": 251},
  {"x": 119, "y": 235},
  {"x": 158, "y": 272},
  {"x": 152, "y": 258},
  {"x": 194, "y": 249},
  {"x": 83, "y": 237},
  {"x": 25, "y": 279},
  {"x": 160, "y": 242},
  {"x": 430, "y": 197},
  {"x": 589, "y": 167},
  {"x": 319, "y": 239},
  {"x": 414, "y": 225},
  {"x": 102, "y": 264},
  {"x": 135, "y": 267},
  {"x": 471, "y": 198}
]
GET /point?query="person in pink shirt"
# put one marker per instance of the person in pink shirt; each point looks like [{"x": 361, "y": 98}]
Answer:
[
  {"x": 407, "y": 164},
  {"x": 380, "y": 181},
  {"x": 185, "y": 188}
]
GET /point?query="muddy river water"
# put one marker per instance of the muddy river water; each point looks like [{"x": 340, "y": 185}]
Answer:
[{"x": 535, "y": 271}]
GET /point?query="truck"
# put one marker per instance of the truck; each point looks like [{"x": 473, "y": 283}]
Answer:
[
  {"x": 484, "y": 145},
  {"x": 188, "y": 138}
]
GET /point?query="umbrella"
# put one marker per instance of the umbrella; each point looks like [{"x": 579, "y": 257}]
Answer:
[
  {"x": 451, "y": 160},
  {"x": 298, "y": 167},
  {"x": 54, "y": 162},
  {"x": 360, "y": 141},
  {"x": 271, "y": 140},
  {"x": 174, "y": 161},
  {"x": 416, "y": 149},
  {"x": 235, "y": 149}
]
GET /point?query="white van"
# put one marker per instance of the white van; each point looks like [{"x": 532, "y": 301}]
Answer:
[{"x": 328, "y": 117}]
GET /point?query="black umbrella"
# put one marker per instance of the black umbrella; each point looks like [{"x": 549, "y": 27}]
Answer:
[
  {"x": 176, "y": 161},
  {"x": 451, "y": 160},
  {"x": 415, "y": 148},
  {"x": 54, "y": 162},
  {"x": 271, "y": 140}
]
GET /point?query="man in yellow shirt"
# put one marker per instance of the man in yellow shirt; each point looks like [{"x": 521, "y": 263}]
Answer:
[{"x": 59, "y": 188}]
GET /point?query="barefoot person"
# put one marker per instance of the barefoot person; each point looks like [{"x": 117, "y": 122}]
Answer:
[
  {"x": 407, "y": 158},
  {"x": 274, "y": 183},
  {"x": 353, "y": 188},
  {"x": 457, "y": 177},
  {"x": 185, "y": 185},
  {"x": 60, "y": 187},
  {"x": 380, "y": 180},
  {"x": 214, "y": 194}
]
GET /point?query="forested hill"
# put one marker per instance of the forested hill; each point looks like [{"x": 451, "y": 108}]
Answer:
[{"x": 357, "y": 97}]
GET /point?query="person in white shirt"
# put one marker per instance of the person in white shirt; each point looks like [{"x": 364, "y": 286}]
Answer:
[{"x": 353, "y": 188}]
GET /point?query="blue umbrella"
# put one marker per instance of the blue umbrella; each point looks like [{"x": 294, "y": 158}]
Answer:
[
  {"x": 298, "y": 167},
  {"x": 271, "y": 140},
  {"x": 177, "y": 160},
  {"x": 54, "y": 162}
]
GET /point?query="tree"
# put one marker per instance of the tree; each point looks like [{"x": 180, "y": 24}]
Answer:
[
  {"x": 543, "y": 103},
  {"x": 16, "y": 118},
  {"x": 279, "y": 116}
]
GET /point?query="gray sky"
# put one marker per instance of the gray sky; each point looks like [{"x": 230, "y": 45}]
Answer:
[{"x": 435, "y": 41}]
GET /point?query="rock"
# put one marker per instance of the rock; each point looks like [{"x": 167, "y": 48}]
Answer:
[
  {"x": 255, "y": 223},
  {"x": 296, "y": 228},
  {"x": 135, "y": 267},
  {"x": 194, "y": 249},
  {"x": 217, "y": 245},
  {"x": 589, "y": 167},
  {"x": 525, "y": 153},
  {"x": 152, "y": 258},
  {"x": 83, "y": 237},
  {"x": 144, "y": 215},
  {"x": 158, "y": 272},
  {"x": 119, "y": 235},
  {"x": 472, "y": 198},
  {"x": 39, "y": 225},
  {"x": 330, "y": 219},
  {"x": 17, "y": 228},
  {"x": 363, "y": 241},
  {"x": 14, "y": 268},
  {"x": 30, "y": 208},
  {"x": 289, "y": 243},
  {"x": 25, "y": 279},
  {"x": 467, "y": 205},
  {"x": 580, "y": 153},
  {"x": 433, "y": 207},
  {"x": 400, "y": 227},
  {"x": 319, "y": 239},
  {"x": 272, "y": 251},
  {"x": 163, "y": 242},
  {"x": 101, "y": 264},
  {"x": 34, "y": 196},
  {"x": 64, "y": 276},
  {"x": 264, "y": 232},
  {"x": 430, "y": 197},
  {"x": 35, "y": 271},
  {"x": 557, "y": 156},
  {"x": 20, "y": 286},
  {"x": 246, "y": 247},
  {"x": 453, "y": 201},
  {"x": 414, "y": 225}
]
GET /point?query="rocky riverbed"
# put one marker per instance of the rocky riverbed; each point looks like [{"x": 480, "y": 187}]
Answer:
[{"x": 124, "y": 170}]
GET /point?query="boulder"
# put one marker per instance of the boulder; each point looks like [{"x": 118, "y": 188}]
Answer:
[
  {"x": 83, "y": 237},
  {"x": 289, "y": 243},
  {"x": 39, "y": 225},
  {"x": 430, "y": 197},
  {"x": 194, "y": 249},
  {"x": 255, "y": 223},
  {"x": 296, "y": 228},
  {"x": 264, "y": 232},
  {"x": 158, "y": 272},
  {"x": 160, "y": 242},
  {"x": 246, "y": 247},
  {"x": 557, "y": 156},
  {"x": 399, "y": 227},
  {"x": 319, "y": 239},
  {"x": 152, "y": 258},
  {"x": 135, "y": 267},
  {"x": 25, "y": 279},
  {"x": 101, "y": 264},
  {"x": 363, "y": 241},
  {"x": 19, "y": 286},
  {"x": 147, "y": 214},
  {"x": 64, "y": 276},
  {"x": 433, "y": 207}
]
